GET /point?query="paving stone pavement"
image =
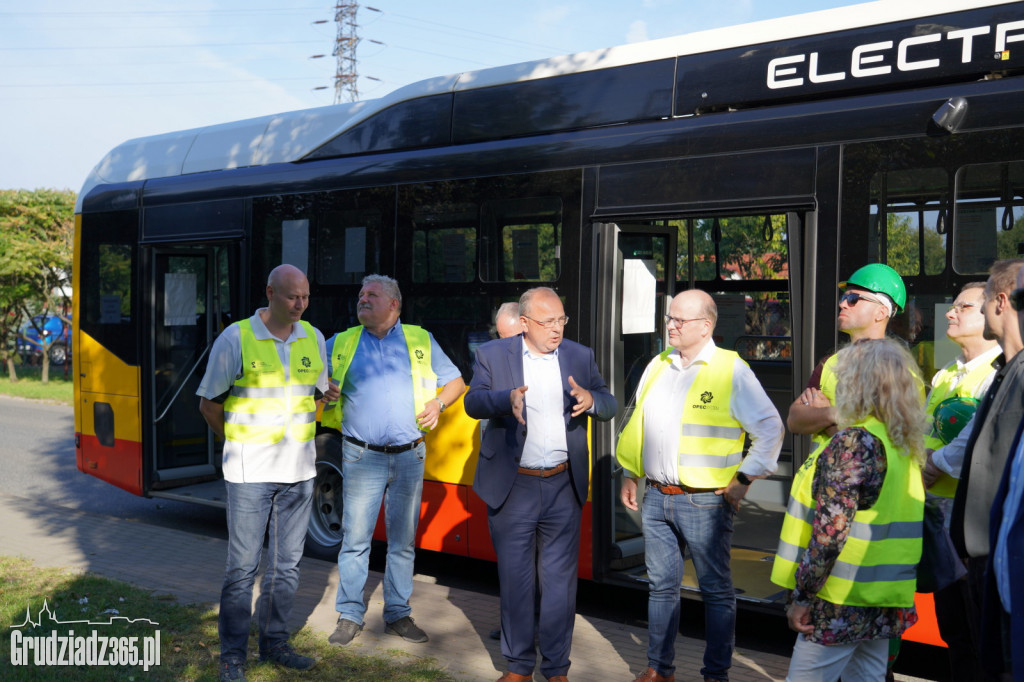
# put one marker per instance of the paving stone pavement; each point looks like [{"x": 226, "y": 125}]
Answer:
[{"x": 190, "y": 567}]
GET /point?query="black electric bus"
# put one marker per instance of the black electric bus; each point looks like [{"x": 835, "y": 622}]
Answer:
[{"x": 761, "y": 163}]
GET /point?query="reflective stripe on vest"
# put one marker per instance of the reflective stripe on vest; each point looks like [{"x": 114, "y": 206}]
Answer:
[
  {"x": 945, "y": 486},
  {"x": 877, "y": 565},
  {"x": 424, "y": 380},
  {"x": 263, "y": 406},
  {"x": 710, "y": 440}
]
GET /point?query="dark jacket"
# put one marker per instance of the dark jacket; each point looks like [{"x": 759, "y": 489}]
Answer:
[
  {"x": 997, "y": 626},
  {"x": 497, "y": 370},
  {"x": 988, "y": 448}
]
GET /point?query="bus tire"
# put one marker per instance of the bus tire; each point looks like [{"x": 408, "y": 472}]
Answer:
[{"x": 323, "y": 536}]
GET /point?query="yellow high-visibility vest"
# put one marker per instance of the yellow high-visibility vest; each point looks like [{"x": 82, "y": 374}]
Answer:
[
  {"x": 424, "y": 380},
  {"x": 262, "y": 405},
  {"x": 827, "y": 385},
  {"x": 710, "y": 440},
  {"x": 943, "y": 388},
  {"x": 878, "y": 563}
]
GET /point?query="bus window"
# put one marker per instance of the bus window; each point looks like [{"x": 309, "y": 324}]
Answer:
[
  {"x": 733, "y": 248},
  {"x": 281, "y": 225},
  {"x": 347, "y": 246},
  {"x": 114, "y": 303},
  {"x": 751, "y": 253},
  {"x": 108, "y": 269},
  {"x": 444, "y": 243},
  {"x": 912, "y": 206},
  {"x": 989, "y": 211},
  {"x": 529, "y": 231}
]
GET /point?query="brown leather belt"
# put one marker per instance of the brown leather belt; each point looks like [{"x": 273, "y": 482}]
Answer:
[
  {"x": 544, "y": 473},
  {"x": 386, "y": 449},
  {"x": 678, "y": 489}
]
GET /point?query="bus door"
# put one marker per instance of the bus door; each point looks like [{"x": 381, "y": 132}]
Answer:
[
  {"x": 634, "y": 282},
  {"x": 193, "y": 302},
  {"x": 743, "y": 262}
]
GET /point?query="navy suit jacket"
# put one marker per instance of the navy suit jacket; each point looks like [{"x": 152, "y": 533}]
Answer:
[
  {"x": 992, "y": 620},
  {"x": 497, "y": 370}
]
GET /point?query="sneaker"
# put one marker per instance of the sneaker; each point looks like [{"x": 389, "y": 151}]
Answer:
[
  {"x": 345, "y": 632},
  {"x": 232, "y": 671},
  {"x": 406, "y": 629},
  {"x": 285, "y": 655}
]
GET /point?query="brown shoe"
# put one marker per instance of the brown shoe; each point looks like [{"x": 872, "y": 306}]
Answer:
[
  {"x": 652, "y": 675},
  {"x": 558, "y": 678},
  {"x": 515, "y": 677}
]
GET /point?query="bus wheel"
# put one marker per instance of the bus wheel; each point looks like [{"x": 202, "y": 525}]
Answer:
[{"x": 323, "y": 538}]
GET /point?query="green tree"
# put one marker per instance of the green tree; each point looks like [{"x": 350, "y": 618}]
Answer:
[
  {"x": 35, "y": 261},
  {"x": 903, "y": 252}
]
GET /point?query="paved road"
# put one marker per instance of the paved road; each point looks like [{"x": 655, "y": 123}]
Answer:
[{"x": 37, "y": 456}]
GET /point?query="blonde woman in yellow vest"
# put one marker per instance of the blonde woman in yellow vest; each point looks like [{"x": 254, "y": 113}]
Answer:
[
  {"x": 262, "y": 382},
  {"x": 851, "y": 539}
]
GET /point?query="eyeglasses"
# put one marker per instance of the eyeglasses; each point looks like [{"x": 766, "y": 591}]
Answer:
[
  {"x": 960, "y": 307},
  {"x": 553, "y": 322},
  {"x": 853, "y": 297},
  {"x": 679, "y": 322},
  {"x": 1017, "y": 299}
]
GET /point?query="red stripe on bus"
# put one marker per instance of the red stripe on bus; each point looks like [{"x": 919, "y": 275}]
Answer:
[{"x": 120, "y": 465}]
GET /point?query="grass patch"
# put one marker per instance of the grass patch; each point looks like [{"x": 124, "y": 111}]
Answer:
[
  {"x": 59, "y": 389},
  {"x": 189, "y": 648}
]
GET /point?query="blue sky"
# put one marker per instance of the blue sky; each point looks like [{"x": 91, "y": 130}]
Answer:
[{"x": 78, "y": 78}]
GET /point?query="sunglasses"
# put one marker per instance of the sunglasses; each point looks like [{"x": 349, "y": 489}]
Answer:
[{"x": 853, "y": 297}]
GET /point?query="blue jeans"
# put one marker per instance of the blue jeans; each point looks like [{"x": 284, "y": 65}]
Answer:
[
  {"x": 863, "y": 661},
  {"x": 279, "y": 511},
  {"x": 371, "y": 476},
  {"x": 704, "y": 523}
]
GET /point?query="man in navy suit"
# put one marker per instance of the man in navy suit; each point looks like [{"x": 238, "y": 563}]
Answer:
[{"x": 536, "y": 389}]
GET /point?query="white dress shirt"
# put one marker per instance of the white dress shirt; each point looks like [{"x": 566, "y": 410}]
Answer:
[
  {"x": 663, "y": 413},
  {"x": 545, "y": 444}
]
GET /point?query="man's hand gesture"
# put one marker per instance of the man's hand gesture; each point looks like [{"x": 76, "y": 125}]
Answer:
[
  {"x": 584, "y": 401},
  {"x": 518, "y": 399}
]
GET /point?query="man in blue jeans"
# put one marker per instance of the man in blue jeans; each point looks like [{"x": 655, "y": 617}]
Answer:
[
  {"x": 262, "y": 382},
  {"x": 388, "y": 375},
  {"x": 695, "y": 405}
]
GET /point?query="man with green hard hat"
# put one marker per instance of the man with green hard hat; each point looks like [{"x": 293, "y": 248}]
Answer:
[{"x": 871, "y": 297}]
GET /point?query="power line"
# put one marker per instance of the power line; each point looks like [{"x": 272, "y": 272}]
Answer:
[
  {"x": 152, "y": 47},
  {"x": 488, "y": 36}
]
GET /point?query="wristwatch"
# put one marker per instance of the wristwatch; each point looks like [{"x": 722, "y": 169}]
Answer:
[
  {"x": 743, "y": 479},
  {"x": 441, "y": 403}
]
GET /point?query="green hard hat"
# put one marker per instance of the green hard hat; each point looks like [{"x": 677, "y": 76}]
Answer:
[
  {"x": 952, "y": 415},
  {"x": 881, "y": 279}
]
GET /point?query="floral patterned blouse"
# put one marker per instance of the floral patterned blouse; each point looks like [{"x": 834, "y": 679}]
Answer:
[{"x": 848, "y": 477}]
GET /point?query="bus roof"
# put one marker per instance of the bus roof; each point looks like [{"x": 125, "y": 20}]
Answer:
[{"x": 293, "y": 136}]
